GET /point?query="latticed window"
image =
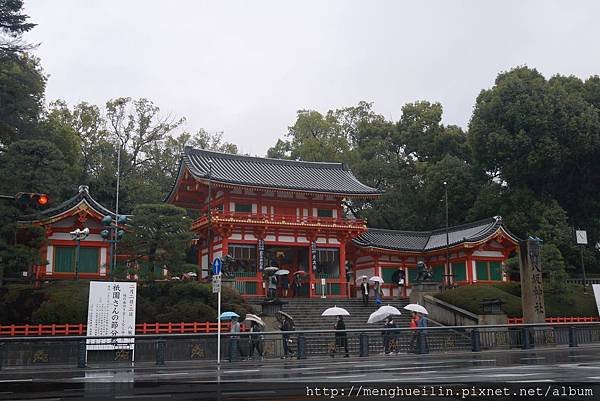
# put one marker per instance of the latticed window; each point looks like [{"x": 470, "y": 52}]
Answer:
[
  {"x": 328, "y": 262},
  {"x": 489, "y": 270},
  {"x": 324, "y": 213},
  {"x": 243, "y": 207},
  {"x": 245, "y": 259}
]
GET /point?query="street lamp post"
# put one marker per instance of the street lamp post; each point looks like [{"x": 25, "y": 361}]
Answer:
[
  {"x": 209, "y": 234},
  {"x": 78, "y": 235},
  {"x": 447, "y": 236},
  {"x": 112, "y": 234}
]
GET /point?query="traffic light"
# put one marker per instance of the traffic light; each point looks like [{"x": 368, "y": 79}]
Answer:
[{"x": 31, "y": 199}]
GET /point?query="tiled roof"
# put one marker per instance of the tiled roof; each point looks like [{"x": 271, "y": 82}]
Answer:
[
  {"x": 82, "y": 195},
  {"x": 331, "y": 178},
  {"x": 419, "y": 241}
]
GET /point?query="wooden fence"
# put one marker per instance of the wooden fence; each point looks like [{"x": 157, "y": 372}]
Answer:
[{"x": 140, "y": 328}]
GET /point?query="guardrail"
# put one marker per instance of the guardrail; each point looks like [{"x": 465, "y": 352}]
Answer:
[
  {"x": 162, "y": 349},
  {"x": 81, "y": 329},
  {"x": 571, "y": 319}
]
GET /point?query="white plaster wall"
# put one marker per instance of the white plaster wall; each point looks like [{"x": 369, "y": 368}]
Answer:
[
  {"x": 103, "y": 258},
  {"x": 50, "y": 257},
  {"x": 250, "y": 237},
  {"x": 67, "y": 236},
  {"x": 235, "y": 236},
  {"x": 333, "y": 241},
  {"x": 263, "y": 209},
  {"x": 321, "y": 240},
  {"x": 286, "y": 238},
  {"x": 488, "y": 253},
  {"x": 314, "y": 212},
  {"x": 232, "y": 206},
  {"x": 474, "y": 270},
  {"x": 254, "y": 208},
  {"x": 303, "y": 239},
  {"x": 270, "y": 238},
  {"x": 335, "y": 214}
]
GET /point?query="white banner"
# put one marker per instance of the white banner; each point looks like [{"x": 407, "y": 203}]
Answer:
[
  {"x": 596, "y": 288},
  {"x": 111, "y": 313}
]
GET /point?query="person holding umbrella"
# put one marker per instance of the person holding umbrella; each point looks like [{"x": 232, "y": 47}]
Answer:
[
  {"x": 364, "y": 290},
  {"x": 234, "y": 338},
  {"x": 287, "y": 324},
  {"x": 273, "y": 286},
  {"x": 389, "y": 336},
  {"x": 256, "y": 340},
  {"x": 414, "y": 323},
  {"x": 422, "y": 345},
  {"x": 341, "y": 338}
]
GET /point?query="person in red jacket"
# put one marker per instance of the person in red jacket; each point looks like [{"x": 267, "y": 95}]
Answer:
[{"x": 414, "y": 323}]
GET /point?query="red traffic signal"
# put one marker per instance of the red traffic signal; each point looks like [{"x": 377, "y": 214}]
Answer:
[{"x": 31, "y": 199}]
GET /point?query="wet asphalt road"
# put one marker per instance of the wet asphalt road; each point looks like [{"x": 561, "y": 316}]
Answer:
[{"x": 277, "y": 379}]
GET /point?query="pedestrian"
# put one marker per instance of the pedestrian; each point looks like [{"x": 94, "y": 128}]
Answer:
[
  {"x": 285, "y": 284},
  {"x": 234, "y": 339},
  {"x": 364, "y": 290},
  {"x": 398, "y": 278},
  {"x": 272, "y": 286},
  {"x": 256, "y": 339},
  {"x": 297, "y": 284},
  {"x": 378, "y": 293},
  {"x": 287, "y": 325},
  {"x": 341, "y": 338},
  {"x": 414, "y": 323},
  {"x": 389, "y": 336},
  {"x": 422, "y": 345}
]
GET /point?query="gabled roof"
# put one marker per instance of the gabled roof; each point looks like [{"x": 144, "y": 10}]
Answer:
[
  {"x": 420, "y": 241},
  {"x": 330, "y": 178},
  {"x": 82, "y": 196}
]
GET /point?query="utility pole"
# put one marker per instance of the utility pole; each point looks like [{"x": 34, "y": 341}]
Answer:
[{"x": 447, "y": 236}]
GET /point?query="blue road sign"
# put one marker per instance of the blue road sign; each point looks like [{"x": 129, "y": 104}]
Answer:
[{"x": 217, "y": 264}]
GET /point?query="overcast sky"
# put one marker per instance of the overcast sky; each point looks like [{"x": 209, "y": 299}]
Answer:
[{"x": 246, "y": 67}]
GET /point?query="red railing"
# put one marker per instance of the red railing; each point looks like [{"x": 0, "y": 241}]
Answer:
[
  {"x": 277, "y": 219},
  {"x": 81, "y": 329},
  {"x": 519, "y": 320}
]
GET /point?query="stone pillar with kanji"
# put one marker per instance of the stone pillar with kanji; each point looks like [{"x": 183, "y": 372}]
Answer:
[{"x": 532, "y": 289}]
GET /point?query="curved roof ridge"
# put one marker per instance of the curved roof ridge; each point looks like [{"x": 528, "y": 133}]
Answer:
[
  {"x": 266, "y": 159},
  {"x": 83, "y": 194},
  {"x": 472, "y": 224}
]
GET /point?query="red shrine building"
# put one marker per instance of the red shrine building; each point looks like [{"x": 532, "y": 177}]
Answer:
[
  {"x": 289, "y": 214},
  {"x": 79, "y": 212}
]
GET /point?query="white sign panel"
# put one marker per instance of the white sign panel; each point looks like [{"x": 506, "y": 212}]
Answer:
[
  {"x": 216, "y": 284},
  {"x": 596, "y": 288},
  {"x": 581, "y": 237},
  {"x": 111, "y": 313}
]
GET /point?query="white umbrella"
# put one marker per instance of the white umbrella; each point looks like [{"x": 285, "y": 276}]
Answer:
[
  {"x": 253, "y": 318},
  {"x": 377, "y": 316},
  {"x": 271, "y": 269},
  {"x": 416, "y": 308},
  {"x": 361, "y": 278},
  {"x": 389, "y": 309},
  {"x": 335, "y": 311},
  {"x": 376, "y": 278},
  {"x": 282, "y": 272}
]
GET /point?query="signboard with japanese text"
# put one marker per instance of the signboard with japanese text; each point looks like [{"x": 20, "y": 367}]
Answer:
[
  {"x": 216, "y": 284},
  {"x": 111, "y": 313},
  {"x": 596, "y": 288},
  {"x": 532, "y": 288},
  {"x": 261, "y": 255},
  {"x": 313, "y": 252}
]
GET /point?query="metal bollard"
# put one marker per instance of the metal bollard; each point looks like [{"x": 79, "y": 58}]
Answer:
[
  {"x": 422, "y": 345},
  {"x": 233, "y": 349},
  {"x": 301, "y": 346},
  {"x": 160, "y": 352},
  {"x": 476, "y": 340},
  {"x": 572, "y": 336},
  {"x": 81, "y": 354},
  {"x": 363, "y": 345},
  {"x": 525, "y": 338}
]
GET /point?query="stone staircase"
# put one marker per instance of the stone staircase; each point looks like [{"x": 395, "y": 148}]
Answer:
[
  {"x": 307, "y": 313},
  {"x": 307, "y": 316}
]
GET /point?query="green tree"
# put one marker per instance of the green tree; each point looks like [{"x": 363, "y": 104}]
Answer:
[
  {"x": 159, "y": 237},
  {"x": 22, "y": 86},
  {"x": 553, "y": 266},
  {"x": 13, "y": 24}
]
